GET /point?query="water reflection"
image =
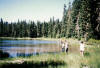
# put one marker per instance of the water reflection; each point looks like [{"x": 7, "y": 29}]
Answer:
[
  {"x": 23, "y": 48},
  {"x": 26, "y": 42}
]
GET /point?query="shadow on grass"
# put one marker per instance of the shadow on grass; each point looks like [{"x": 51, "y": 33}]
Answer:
[
  {"x": 32, "y": 64},
  {"x": 3, "y": 54},
  {"x": 87, "y": 54}
]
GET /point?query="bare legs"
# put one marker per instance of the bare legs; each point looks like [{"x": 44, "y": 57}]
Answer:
[{"x": 82, "y": 53}]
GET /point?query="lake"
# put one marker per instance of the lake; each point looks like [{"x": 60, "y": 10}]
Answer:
[{"x": 23, "y": 48}]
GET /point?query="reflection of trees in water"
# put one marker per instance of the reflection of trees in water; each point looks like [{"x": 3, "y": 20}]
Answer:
[
  {"x": 33, "y": 54},
  {"x": 24, "y": 55},
  {"x": 24, "y": 51},
  {"x": 4, "y": 54},
  {"x": 1, "y": 43}
]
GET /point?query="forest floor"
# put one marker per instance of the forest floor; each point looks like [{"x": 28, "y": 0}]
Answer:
[{"x": 91, "y": 58}]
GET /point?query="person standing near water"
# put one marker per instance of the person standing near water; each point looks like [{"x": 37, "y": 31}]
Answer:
[
  {"x": 82, "y": 48},
  {"x": 63, "y": 46},
  {"x": 66, "y": 46}
]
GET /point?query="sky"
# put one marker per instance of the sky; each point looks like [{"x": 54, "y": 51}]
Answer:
[{"x": 37, "y": 10}]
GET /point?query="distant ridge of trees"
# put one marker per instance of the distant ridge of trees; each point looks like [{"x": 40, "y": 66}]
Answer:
[{"x": 82, "y": 20}]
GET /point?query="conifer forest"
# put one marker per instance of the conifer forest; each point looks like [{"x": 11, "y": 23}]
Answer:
[{"x": 80, "y": 20}]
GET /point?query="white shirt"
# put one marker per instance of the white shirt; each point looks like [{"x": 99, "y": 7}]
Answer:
[
  {"x": 81, "y": 47},
  {"x": 63, "y": 45},
  {"x": 66, "y": 45}
]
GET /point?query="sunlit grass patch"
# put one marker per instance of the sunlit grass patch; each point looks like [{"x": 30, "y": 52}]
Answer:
[{"x": 93, "y": 42}]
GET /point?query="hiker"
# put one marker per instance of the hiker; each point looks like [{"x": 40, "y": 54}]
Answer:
[
  {"x": 63, "y": 46},
  {"x": 66, "y": 46},
  {"x": 82, "y": 48}
]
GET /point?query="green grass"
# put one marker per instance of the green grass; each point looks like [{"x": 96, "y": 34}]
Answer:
[
  {"x": 46, "y": 60},
  {"x": 93, "y": 42},
  {"x": 93, "y": 59}
]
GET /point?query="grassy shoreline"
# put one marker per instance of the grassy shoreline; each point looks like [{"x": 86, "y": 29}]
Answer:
[
  {"x": 91, "y": 58},
  {"x": 61, "y": 60},
  {"x": 27, "y": 38},
  {"x": 45, "y": 61}
]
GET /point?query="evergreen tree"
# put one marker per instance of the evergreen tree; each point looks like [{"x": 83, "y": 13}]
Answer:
[
  {"x": 85, "y": 19},
  {"x": 70, "y": 28},
  {"x": 95, "y": 18},
  {"x": 75, "y": 17},
  {"x": 33, "y": 30},
  {"x": 64, "y": 22},
  {"x": 39, "y": 32},
  {"x": 1, "y": 27}
]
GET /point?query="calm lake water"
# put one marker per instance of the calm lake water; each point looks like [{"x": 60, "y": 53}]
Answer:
[{"x": 16, "y": 48}]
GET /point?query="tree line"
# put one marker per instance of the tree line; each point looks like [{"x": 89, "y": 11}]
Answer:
[
  {"x": 80, "y": 20},
  {"x": 30, "y": 29}
]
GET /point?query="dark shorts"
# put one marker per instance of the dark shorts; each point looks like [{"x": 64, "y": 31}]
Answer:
[
  {"x": 81, "y": 51},
  {"x": 67, "y": 50},
  {"x": 63, "y": 49}
]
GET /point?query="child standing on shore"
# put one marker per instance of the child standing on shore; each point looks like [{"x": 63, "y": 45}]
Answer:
[{"x": 82, "y": 48}]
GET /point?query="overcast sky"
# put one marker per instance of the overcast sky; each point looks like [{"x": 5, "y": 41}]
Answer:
[{"x": 12, "y": 10}]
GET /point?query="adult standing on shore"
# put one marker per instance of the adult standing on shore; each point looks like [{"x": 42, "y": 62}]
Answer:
[
  {"x": 66, "y": 46},
  {"x": 63, "y": 46}
]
